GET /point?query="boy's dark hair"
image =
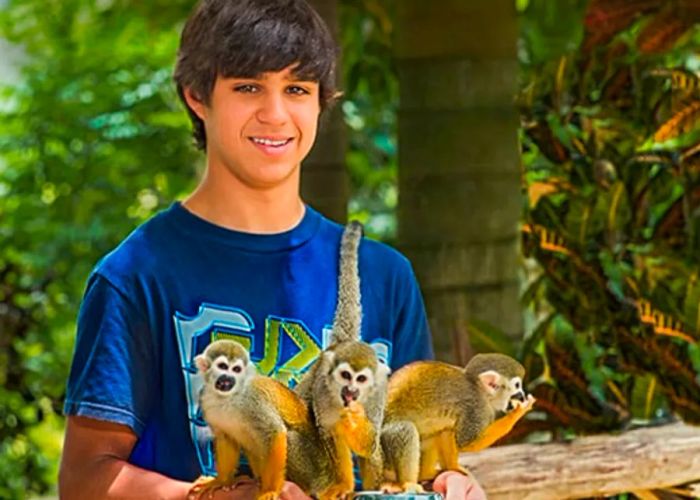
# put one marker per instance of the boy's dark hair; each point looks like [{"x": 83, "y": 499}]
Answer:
[{"x": 245, "y": 38}]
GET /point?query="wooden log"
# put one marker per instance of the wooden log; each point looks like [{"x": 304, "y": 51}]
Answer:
[{"x": 642, "y": 459}]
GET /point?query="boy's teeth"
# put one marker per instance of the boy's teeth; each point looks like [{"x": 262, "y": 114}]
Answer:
[{"x": 269, "y": 142}]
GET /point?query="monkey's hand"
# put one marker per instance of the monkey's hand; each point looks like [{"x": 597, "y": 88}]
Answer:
[
  {"x": 209, "y": 484},
  {"x": 525, "y": 406},
  {"x": 356, "y": 429},
  {"x": 335, "y": 492},
  {"x": 499, "y": 428},
  {"x": 390, "y": 487}
]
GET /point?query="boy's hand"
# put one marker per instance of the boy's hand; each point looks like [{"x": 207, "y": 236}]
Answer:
[
  {"x": 291, "y": 491},
  {"x": 247, "y": 489},
  {"x": 453, "y": 485}
]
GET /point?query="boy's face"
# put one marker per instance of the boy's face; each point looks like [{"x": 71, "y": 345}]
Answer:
[{"x": 260, "y": 129}]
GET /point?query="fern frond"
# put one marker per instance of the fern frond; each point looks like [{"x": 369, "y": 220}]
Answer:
[
  {"x": 541, "y": 134},
  {"x": 682, "y": 80},
  {"x": 678, "y": 124},
  {"x": 548, "y": 240},
  {"x": 662, "y": 32},
  {"x": 608, "y": 17},
  {"x": 663, "y": 324},
  {"x": 654, "y": 158}
]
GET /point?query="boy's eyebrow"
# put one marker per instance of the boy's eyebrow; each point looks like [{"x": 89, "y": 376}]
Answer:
[
  {"x": 296, "y": 78},
  {"x": 290, "y": 78}
]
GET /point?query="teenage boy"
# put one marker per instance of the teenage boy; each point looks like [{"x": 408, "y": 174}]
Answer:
[{"x": 242, "y": 257}]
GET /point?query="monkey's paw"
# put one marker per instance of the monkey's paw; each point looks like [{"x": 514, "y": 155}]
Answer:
[
  {"x": 268, "y": 495},
  {"x": 527, "y": 405},
  {"x": 336, "y": 492},
  {"x": 354, "y": 410},
  {"x": 204, "y": 485},
  {"x": 390, "y": 488},
  {"x": 352, "y": 417}
]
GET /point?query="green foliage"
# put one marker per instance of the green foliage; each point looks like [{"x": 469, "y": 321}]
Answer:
[
  {"x": 609, "y": 144},
  {"x": 92, "y": 142},
  {"x": 369, "y": 107}
]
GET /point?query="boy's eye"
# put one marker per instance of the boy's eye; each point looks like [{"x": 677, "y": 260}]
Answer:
[
  {"x": 246, "y": 88},
  {"x": 297, "y": 90}
]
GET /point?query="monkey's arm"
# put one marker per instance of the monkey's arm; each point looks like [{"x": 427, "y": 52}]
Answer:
[
  {"x": 228, "y": 454},
  {"x": 499, "y": 428},
  {"x": 344, "y": 480},
  {"x": 273, "y": 471},
  {"x": 227, "y": 458},
  {"x": 357, "y": 430}
]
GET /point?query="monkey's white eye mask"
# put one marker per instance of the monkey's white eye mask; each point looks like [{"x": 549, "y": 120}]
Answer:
[
  {"x": 353, "y": 384},
  {"x": 517, "y": 393},
  {"x": 224, "y": 373}
]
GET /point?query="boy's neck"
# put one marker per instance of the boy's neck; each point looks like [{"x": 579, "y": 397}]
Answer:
[{"x": 242, "y": 208}]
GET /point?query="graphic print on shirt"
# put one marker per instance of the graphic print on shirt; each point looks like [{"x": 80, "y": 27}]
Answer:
[{"x": 288, "y": 351}]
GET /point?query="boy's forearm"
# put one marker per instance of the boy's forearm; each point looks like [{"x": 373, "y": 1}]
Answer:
[{"x": 113, "y": 478}]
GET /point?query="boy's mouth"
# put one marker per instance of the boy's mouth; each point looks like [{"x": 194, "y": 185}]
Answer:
[
  {"x": 271, "y": 146},
  {"x": 275, "y": 143}
]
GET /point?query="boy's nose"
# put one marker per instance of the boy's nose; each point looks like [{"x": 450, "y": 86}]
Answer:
[{"x": 272, "y": 110}]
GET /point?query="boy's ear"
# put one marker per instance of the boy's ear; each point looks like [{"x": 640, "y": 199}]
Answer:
[{"x": 194, "y": 102}]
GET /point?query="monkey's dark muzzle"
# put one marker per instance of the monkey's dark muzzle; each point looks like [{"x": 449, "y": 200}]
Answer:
[
  {"x": 224, "y": 383},
  {"x": 519, "y": 396},
  {"x": 349, "y": 395}
]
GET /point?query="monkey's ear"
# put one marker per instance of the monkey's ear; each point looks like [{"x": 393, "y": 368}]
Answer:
[
  {"x": 490, "y": 380},
  {"x": 202, "y": 363},
  {"x": 329, "y": 356},
  {"x": 326, "y": 360}
]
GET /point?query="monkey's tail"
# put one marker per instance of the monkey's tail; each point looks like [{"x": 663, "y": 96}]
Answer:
[{"x": 348, "y": 312}]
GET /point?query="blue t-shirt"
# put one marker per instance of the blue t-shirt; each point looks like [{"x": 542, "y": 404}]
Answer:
[{"x": 179, "y": 282}]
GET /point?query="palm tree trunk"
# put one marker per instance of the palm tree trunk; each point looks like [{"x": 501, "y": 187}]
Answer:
[
  {"x": 324, "y": 182},
  {"x": 459, "y": 175}
]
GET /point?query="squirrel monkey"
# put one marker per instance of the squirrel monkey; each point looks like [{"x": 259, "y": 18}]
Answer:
[
  {"x": 435, "y": 410},
  {"x": 248, "y": 412},
  {"x": 345, "y": 391}
]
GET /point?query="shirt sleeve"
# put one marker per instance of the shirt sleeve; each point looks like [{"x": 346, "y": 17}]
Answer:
[
  {"x": 412, "y": 339},
  {"x": 113, "y": 375}
]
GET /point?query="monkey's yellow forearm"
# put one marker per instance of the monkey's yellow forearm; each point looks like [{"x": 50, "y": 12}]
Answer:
[
  {"x": 227, "y": 458},
  {"x": 272, "y": 473},
  {"x": 496, "y": 430},
  {"x": 358, "y": 432},
  {"x": 345, "y": 479}
]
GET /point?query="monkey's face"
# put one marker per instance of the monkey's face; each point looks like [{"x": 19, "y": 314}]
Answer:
[
  {"x": 501, "y": 391},
  {"x": 352, "y": 384},
  {"x": 225, "y": 366},
  {"x": 226, "y": 374},
  {"x": 517, "y": 394}
]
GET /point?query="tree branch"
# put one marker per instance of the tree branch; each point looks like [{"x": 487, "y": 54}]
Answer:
[{"x": 648, "y": 458}]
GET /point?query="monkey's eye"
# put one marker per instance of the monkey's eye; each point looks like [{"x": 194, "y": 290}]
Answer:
[
  {"x": 362, "y": 379},
  {"x": 517, "y": 385},
  {"x": 237, "y": 369},
  {"x": 346, "y": 375},
  {"x": 222, "y": 366}
]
